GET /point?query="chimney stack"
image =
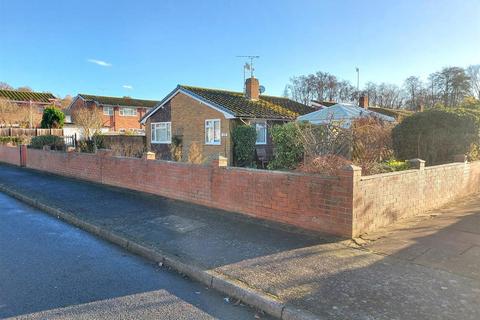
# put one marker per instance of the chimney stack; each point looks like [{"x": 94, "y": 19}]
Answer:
[
  {"x": 363, "y": 101},
  {"x": 252, "y": 88}
]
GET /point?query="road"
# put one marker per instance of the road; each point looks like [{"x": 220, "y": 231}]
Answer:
[{"x": 49, "y": 269}]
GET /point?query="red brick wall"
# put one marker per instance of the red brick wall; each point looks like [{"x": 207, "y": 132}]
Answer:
[
  {"x": 384, "y": 198},
  {"x": 347, "y": 205},
  {"x": 309, "y": 201},
  {"x": 10, "y": 155}
]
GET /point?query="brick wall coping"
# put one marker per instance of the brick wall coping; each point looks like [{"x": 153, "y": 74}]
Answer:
[
  {"x": 388, "y": 174},
  {"x": 279, "y": 172}
]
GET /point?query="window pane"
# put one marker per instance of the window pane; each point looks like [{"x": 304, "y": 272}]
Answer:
[
  {"x": 216, "y": 133},
  {"x": 261, "y": 129},
  {"x": 153, "y": 133}
]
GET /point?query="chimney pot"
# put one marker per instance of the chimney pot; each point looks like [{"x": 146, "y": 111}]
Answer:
[{"x": 252, "y": 88}]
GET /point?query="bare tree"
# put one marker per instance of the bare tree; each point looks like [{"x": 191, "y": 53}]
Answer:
[
  {"x": 90, "y": 120},
  {"x": 414, "y": 91},
  {"x": 5, "y": 86},
  {"x": 450, "y": 86},
  {"x": 24, "y": 89},
  {"x": 473, "y": 73},
  {"x": 12, "y": 114}
]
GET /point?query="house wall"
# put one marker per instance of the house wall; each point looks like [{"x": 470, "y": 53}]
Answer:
[
  {"x": 116, "y": 122},
  {"x": 188, "y": 121},
  {"x": 162, "y": 150}
]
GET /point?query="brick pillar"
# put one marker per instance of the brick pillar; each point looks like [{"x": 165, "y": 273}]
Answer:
[
  {"x": 23, "y": 155},
  {"x": 149, "y": 155},
  {"x": 349, "y": 178},
  {"x": 417, "y": 164}
]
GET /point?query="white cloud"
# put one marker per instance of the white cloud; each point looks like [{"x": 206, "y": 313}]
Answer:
[
  {"x": 127, "y": 86},
  {"x": 100, "y": 62}
]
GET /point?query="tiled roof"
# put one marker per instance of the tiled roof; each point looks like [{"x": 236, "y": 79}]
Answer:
[
  {"x": 266, "y": 107},
  {"x": 14, "y": 95},
  {"x": 116, "y": 101}
]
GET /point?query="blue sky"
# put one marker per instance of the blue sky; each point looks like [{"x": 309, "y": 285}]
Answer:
[{"x": 154, "y": 45}]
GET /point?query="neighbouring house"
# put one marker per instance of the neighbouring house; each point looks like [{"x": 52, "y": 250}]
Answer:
[
  {"x": 28, "y": 105},
  {"x": 344, "y": 114},
  {"x": 119, "y": 114},
  {"x": 206, "y": 118}
]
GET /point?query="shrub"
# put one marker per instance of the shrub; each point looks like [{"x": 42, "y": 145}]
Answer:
[
  {"x": 55, "y": 142},
  {"x": 12, "y": 140},
  {"x": 244, "y": 138},
  {"x": 288, "y": 151},
  {"x": 372, "y": 143},
  {"x": 328, "y": 164},
  {"x": 176, "y": 148},
  {"x": 52, "y": 118},
  {"x": 93, "y": 144},
  {"x": 435, "y": 135},
  {"x": 194, "y": 154}
]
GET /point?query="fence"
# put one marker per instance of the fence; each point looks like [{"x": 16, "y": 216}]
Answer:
[{"x": 16, "y": 132}]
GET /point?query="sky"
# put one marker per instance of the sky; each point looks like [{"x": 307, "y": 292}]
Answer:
[{"x": 143, "y": 49}]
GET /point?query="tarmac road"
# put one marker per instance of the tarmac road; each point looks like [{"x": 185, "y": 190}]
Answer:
[{"x": 51, "y": 270}]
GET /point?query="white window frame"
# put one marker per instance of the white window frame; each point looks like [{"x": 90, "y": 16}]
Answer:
[
  {"x": 210, "y": 123},
  {"x": 108, "y": 111},
  {"x": 122, "y": 112},
  {"x": 264, "y": 123},
  {"x": 153, "y": 137}
]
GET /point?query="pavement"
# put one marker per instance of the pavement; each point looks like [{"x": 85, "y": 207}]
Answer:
[
  {"x": 52, "y": 270},
  {"x": 423, "y": 268}
]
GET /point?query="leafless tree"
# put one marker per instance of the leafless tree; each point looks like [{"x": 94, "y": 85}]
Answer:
[
  {"x": 414, "y": 92},
  {"x": 473, "y": 73},
  {"x": 24, "y": 89},
  {"x": 450, "y": 86},
  {"x": 5, "y": 86},
  {"x": 90, "y": 120}
]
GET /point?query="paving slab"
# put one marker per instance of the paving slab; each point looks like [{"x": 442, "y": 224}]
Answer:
[{"x": 422, "y": 268}]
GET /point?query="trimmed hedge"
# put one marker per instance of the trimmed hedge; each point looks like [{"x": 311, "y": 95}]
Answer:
[
  {"x": 13, "y": 140},
  {"x": 435, "y": 135},
  {"x": 289, "y": 149},
  {"x": 55, "y": 142},
  {"x": 244, "y": 138}
]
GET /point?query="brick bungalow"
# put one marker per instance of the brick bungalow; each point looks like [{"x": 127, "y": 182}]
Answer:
[
  {"x": 206, "y": 117},
  {"x": 35, "y": 102},
  {"x": 119, "y": 114}
]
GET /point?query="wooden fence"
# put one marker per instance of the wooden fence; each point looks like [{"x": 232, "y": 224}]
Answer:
[{"x": 16, "y": 132}]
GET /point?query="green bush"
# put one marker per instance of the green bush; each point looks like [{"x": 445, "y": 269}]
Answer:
[
  {"x": 52, "y": 118},
  {"x": 55, "y": 142},
  {"x": 244, "y": 138},
  {"x": 93, "y": 144},
  {"x": 435, "y": 135},
  {"x": 396, "y": 165},
  {"x": 289, "y": 149},
  {"x": 12, "y": 140}
]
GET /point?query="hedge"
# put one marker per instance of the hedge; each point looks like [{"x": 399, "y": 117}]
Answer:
[
  {"x": 435, "y": 135},
  {"x": 244, "y": 138},
  {"x": 55, "y": 142}
]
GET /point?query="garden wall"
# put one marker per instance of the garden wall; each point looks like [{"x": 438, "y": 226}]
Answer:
[
  {"x": 314, "y": 202},
  {"x": 10, "y": 155},
  {"x": 347, "y": 205},
  {"x": 381, "y": 199}
]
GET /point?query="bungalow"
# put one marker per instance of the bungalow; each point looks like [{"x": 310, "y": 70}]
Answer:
[
  {"x": 206, "y": 118},
  {"x": 119, "y": 114},
  {"x": 30, "y": 104}
]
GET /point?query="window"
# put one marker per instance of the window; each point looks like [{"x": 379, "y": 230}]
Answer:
[
  {"x": 261, "y": 128},
  {"x": 212, "y": 131},
  {"x": 161, "y": 132},
  {"x": 108, "y": 111},
  {"x": 128, "y": 112}
]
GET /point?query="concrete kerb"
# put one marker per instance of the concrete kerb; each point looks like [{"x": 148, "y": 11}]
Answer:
[{"x": 210, "y": 278}]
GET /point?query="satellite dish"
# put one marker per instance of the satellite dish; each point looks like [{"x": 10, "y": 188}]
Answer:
[{"x": 262, "y": 89}]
